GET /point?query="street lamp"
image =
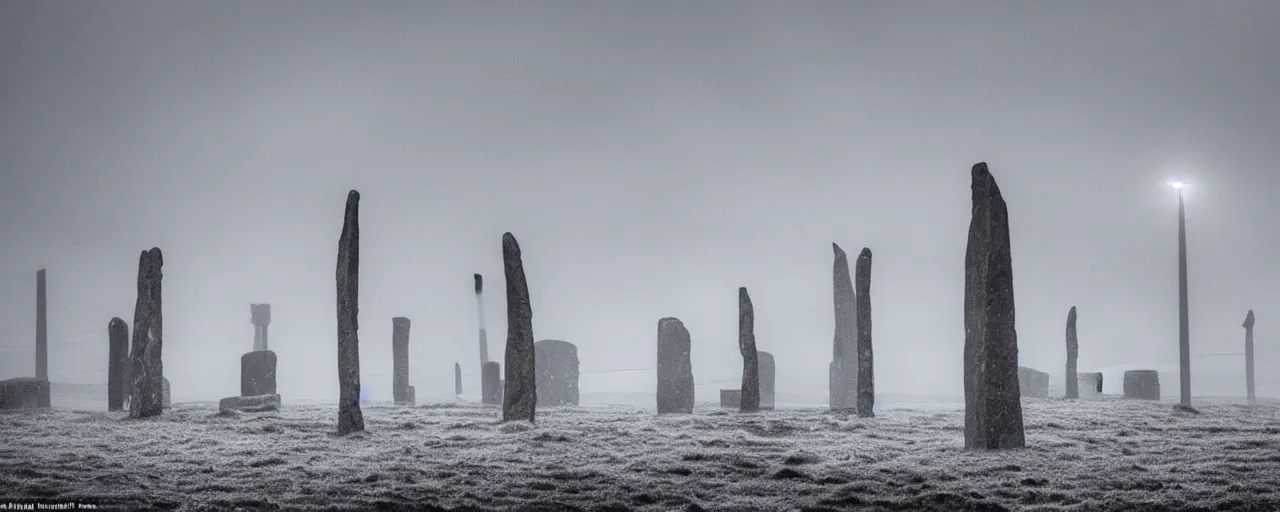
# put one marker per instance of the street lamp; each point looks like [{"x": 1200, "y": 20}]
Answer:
[{"x": 1184, "y": 336}]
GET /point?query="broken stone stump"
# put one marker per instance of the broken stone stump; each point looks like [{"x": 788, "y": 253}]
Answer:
[
  {"x": 260, "y": 403},
  {"x": 117, "y": 363},
  {"x": 24, "y": 393},
  {"x": 767, "y": 373},
  {"x": 730, "y": 398},
  {"x": 490, "y": 383},
  {"x": 1089, "y": 384},
  {"x": 1033, "y": 383},
  {"x": 992, "y": 407},
  {"x": 1142, "y": 385},
  {"x": 258, "y": 373},
  {"x": 400, "y": 388},
  {"x": 675, "y": 368},
  {"x": 556, "y": 369}
]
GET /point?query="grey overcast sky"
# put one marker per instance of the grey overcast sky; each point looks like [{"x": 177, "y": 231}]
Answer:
[{"x": 651, "y": 157}]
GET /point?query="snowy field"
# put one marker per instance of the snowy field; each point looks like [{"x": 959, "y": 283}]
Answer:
[{"x": 1082, "y": 455}]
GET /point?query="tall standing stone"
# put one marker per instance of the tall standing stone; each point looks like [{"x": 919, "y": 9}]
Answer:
[
  {"x": 675, "y": 368},
  {"x": 260, "y": 317},
  {"x": 1248, "y": 356},
  {"x": 1073, "y": 351},
  {"x": 843, "y": 371},
  {"x": 457, "y": 379},
  {"x": 520, "y": 394},
  {"x": 768, "y": 375},
  {"x": 401, "y": 391},
  {"x": 350, "y": 418},
  {"x": 484, "y": 337},
  {"x": 117, "y": 361},
  {"x": 750, "y": 359},
  {"x": 866, "y": 358},
  {"x": 42, "y": 329},
  {"x": 147, "y": 390},
  {"x": 491, "y": 383},
  {"x": 993, "y": 408}
]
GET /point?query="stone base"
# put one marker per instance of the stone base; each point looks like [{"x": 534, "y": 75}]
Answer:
[
  {"x": 1142, "y": 385},
  {"x": 408, "y": 397},
  {"x": 24, "y": 393},
  {"x": 260, "y": 403},
  {"x": 258, "y": 373},
  {"x": 1033, "y": 383},
  {"x": 731, "y": 398}
]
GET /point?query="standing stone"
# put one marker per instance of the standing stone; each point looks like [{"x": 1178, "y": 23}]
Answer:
[
  {"x": 42, "y": 329},
  {"x": 484, "y": 337},
  {"x": 402, "y": 392},
  {"x": 24, "y": 393},
  {"x": 350, "y": 419},
  {"x": 520, "y": 393},
  {"x": 147, "y": 391},
  {"x": 675, "y": 368},
  {"x": 258, "y": 373},
  {"x": 1142, "y": 385},
  {"x": 866, "y": 367},
  {"x": 1248, "y": 356},
  {"x": 457, "y": 379},
  {"x": 1032, "y": 383},
  {"x": 164, "y": 393},
  {"x": 993, "y": 408},
  {"x": 556, "y": 365},
  {"x": 843, "y": 370},
  {"x": 260, "y": 316},
  {"x": 1073, "y": 351},
  {"x": 750, "y": 359},
  {"x": 768, "y": 373},
  {"x": 491, "y": 383},
  {"x": 117, "y": 361}
]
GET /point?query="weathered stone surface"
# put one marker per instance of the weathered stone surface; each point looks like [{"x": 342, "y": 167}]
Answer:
[
  {"x": 350, "y": 418},
  {"x": 1073, "y": 351},
  {"x": 42, "y": 328},
  {"x": 843, "y": 370},
  {"x": 768, "y": 373},
  {"x": 258, "y": 373},
  {"x": 993, "y": 407},
  {"x": 260, "y": 317},
  {"x": 1248, "y": 357},
  {"x": 24, "y": 393},
  {"x": 866, "y": 367},
  {"x": 147, "y": 373},
  {"x": 750, "y": 359},
  {"x": 556, "y": 367},
  {"x": 457, "y": 379},
  {"x": 1033, "y": 383},
  {"x": 117, "y": 362},
  {"x": 259, "y": 403},
  {"x": 520, "y": 393},
  {"x": 731, "y": 398},
  {"x": 1089, "y": 384},
  {"x": 675, "y": 368},
  {"x": 400, "y": 361},
  {"x": 1142, "y": 385},
  {"x": 165, "y": 401},
  {"x": 491, "y": 383}
]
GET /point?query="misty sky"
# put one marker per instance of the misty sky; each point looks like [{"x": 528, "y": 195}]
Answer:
[{"x": 651, "y": 157}]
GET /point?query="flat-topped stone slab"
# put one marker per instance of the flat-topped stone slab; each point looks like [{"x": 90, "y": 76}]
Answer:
[
  {"x": 24, "y": 393},
  {"x": 1142, "y": 385},
  {"x": 1033, "y": 383},
  {"x": 260, "y": 403}
]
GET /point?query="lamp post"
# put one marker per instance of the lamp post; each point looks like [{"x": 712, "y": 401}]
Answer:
[{"x": 1184, "y": 336}]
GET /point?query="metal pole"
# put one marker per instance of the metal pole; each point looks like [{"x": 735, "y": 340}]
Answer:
[{"x": 1184, "y": 336}]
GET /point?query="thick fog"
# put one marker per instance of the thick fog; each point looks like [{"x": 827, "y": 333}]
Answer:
[{"x": 651, "y": 157}]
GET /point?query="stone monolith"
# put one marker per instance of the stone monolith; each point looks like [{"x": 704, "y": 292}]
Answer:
[
  {"x": 117, "y": 362},
  {"x": 842, "y": 382},
  {"x": 556, "y": 366},
  {"x": 993, "y": 407},
  {"x": 350, "y": 418},
  {"x": 402, "y": 392},
  {"x": 457, "y": 379},
  {"x": 146, "y": 393},
  {"x": 1032, "y": 383},
  {"x": 1073, "y": 351},
  {"x": 750, "y": 358},
  {"x": 42, "y": 328},
  {"x": 866, "y": 398},
  {"x": 1248, "y": 357},
  {"x": 24, "y": 393},
  {"x": 258, "y": 373},
  {"x": 491, "y": 383},
  {"x": 520, "y": 393},
  {"x": 1142, "y": 385},
  {"x": 675, "y": 368},
  {"x": 768, "y": 375}
]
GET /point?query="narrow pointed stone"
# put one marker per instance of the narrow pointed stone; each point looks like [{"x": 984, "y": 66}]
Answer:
[
  {"x": 843, "y": 371},
  {"x": 750, "y": 389},
  {"x": 147, "y": 372},
  {"x": 350, "y": 417},
  {"x": 993, "y": 407},
  {"x": 457, "y": 379},
  {"x": 866, "y": 367},
  {"x": 1073, "y": 351},
  {"x": 520, "y": 393},
  {"x": 117, "y": 361}
]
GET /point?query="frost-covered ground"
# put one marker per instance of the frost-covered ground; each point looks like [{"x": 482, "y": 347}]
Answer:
[{"x": 1082, "y": 455}]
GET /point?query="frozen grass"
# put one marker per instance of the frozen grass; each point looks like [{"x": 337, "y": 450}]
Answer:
[{"x": 1081, "y": 455}]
